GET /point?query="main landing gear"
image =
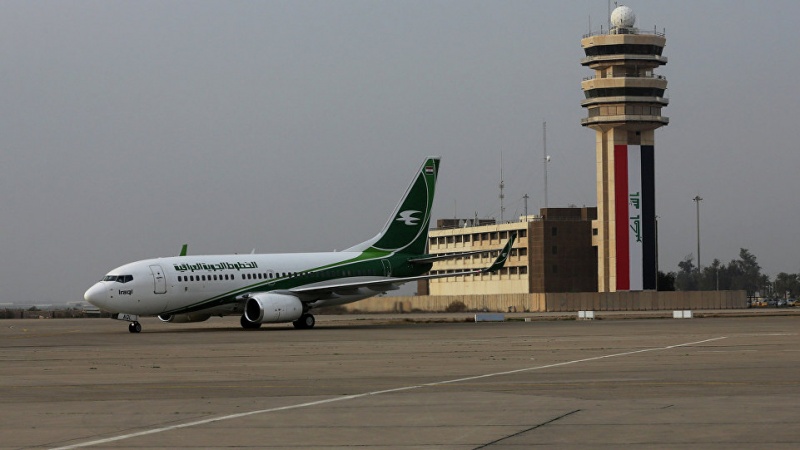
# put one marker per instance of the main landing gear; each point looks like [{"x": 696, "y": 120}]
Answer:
[
  {"x": 306, "y": 321},
  {"x": 135, "y": 327}
]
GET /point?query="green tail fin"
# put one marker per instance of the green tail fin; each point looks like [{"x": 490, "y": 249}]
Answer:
[{"x": 406, "y": 230}]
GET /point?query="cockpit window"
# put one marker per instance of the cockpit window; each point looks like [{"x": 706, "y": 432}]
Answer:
[{"x": 118, "y": 278}]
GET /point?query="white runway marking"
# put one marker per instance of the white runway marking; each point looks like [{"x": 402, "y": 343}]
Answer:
[{"x": 366, "y": 394}]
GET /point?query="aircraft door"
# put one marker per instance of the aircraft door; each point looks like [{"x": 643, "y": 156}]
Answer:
[
  {"x": 387, "y": 267},
  {"x": 159, "y": 279}
]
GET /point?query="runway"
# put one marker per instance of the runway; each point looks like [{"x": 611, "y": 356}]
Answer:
[{"x": 361, "y": 383}]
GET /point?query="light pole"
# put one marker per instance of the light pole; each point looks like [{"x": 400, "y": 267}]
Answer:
[
  {"x": 697, "y": 199},
  {"x": 546, "y": 160}
]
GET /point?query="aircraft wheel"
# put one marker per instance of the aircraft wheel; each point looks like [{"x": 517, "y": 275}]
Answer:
[
  {"x": 306, "y": 321},
  {"x": 135, "y": 327},
  {"x": 247, "y": 325}
]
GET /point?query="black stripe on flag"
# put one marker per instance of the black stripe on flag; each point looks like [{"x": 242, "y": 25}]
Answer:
[{"x": 649, "y": 238}]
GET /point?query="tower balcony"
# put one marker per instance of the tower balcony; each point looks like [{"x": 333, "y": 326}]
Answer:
[
  {"x": 596, "y": 101},
  {"x": 634, "y": 122},
  {"x": 626, "y": 86},
  {"x": 596, "y": 62}
]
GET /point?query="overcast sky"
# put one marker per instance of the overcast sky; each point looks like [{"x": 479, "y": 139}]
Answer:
[{"x": 130, "y": 128}]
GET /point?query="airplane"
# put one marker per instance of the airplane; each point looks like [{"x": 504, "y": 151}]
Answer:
[{"x": 283, "y": 288}]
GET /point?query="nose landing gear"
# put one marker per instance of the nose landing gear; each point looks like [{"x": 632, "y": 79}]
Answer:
[{"x": 133, "y": 322}]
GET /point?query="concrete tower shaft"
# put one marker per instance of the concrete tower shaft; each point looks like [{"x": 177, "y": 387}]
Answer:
[{"x": 624, "y": 99}]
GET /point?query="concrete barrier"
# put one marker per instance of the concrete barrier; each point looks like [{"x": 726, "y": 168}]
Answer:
[{"x": 490, "y": 317}]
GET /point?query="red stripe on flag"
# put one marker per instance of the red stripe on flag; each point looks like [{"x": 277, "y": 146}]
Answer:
[{"x": 621, "y": 217}]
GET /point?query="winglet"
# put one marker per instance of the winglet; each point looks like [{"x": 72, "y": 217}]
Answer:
[
  {"x": 504, "y": 254},
  {"x": 183, "y": 249}
]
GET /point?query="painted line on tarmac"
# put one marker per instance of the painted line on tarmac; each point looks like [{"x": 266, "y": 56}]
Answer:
[{"x": 367, "y": 394}]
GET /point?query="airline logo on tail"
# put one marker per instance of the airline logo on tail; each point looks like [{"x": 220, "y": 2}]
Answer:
[{"x": 407, "y": 217}]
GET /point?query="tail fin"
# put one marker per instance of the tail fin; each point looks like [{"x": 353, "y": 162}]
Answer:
[{"x": 406, "y": 230}]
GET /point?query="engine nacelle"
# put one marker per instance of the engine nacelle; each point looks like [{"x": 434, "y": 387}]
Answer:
[
  {"x": 273, "y": 308},
  {"x": 184, "y": 318}
]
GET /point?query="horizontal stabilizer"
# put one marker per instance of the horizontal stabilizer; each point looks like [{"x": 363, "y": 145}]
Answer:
[{"x": 427, "y": 259}]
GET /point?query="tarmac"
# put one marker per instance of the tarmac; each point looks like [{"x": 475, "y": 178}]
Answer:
[{"x": 405, "y": 382}]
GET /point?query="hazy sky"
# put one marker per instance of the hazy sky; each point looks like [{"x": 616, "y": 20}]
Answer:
[{"x": 130, "y": 128}]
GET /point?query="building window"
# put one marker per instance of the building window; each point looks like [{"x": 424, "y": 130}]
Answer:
[
  {"x": 554, "y": 231},
  {"x": 594, "y": 231},
  {"x": 555, "y": 249},
  {"x": 555, "y": 268}
]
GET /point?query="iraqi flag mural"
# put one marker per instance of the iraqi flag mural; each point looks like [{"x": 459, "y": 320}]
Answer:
[{"x": 634, "y": 203}]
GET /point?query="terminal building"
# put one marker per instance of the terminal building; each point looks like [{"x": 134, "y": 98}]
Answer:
[{"x": 553, "y": 253}]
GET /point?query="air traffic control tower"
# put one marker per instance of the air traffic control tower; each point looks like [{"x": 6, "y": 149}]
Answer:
[{"x": 624, "y": 99}]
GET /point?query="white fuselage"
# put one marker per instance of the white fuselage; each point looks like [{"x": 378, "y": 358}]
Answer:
[{"x": 212, "y": 282}]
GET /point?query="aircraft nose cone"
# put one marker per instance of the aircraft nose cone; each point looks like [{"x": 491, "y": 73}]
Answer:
[{"x": 96, "y": 295}]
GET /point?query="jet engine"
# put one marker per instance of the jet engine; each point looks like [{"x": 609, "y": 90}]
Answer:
[
  {"x": 273, "y": 308},
  {"x": 184, "y": 318}
]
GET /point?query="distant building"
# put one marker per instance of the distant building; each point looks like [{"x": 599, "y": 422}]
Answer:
[{"x": 553, "y": 253}]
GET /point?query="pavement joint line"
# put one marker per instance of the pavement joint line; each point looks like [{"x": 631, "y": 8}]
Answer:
[
  {"x": 527, "y": 430},
  {"x": 367, "y": 394}
]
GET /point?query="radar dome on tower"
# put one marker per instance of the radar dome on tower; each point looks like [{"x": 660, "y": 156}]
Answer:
[{"x": 623, "y": 17}]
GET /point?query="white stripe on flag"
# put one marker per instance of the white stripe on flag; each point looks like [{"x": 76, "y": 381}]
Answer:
[{"x": 635, "y": 217}]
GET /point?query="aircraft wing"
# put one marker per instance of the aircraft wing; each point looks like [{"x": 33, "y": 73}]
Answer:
[{"x": 386, "y": 284}]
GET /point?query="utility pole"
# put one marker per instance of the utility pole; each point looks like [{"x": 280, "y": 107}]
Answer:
[{"x": 697, "y": 199}]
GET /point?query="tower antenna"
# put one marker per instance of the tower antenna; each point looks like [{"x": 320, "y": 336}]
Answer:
[{"x": 502, "y": 186}]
